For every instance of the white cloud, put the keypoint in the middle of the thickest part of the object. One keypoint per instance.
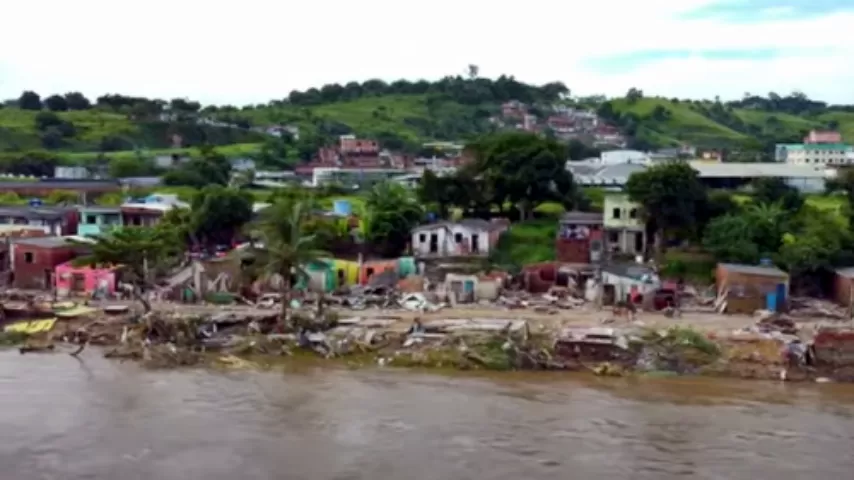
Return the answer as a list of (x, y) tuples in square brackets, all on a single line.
[(255, 50)]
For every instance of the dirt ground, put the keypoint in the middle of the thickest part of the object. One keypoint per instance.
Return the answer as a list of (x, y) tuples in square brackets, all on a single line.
[(586, 316)]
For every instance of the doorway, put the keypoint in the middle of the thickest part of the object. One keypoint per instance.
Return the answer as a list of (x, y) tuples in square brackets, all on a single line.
[(475, 243), (78, 283)]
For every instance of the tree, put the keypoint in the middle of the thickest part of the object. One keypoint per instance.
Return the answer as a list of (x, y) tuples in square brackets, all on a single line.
[(56, 103), (38, 164), (672, 197), (776, 190), (210, 167), (122, 167), (217, 213), (77, 101), (144, 254), (633, 95), (524, 169), (473, 71), (285, 249), (389, 214), (730, 239), (30, 100)]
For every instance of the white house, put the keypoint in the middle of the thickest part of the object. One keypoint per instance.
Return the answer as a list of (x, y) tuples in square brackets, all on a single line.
[(468, 237)]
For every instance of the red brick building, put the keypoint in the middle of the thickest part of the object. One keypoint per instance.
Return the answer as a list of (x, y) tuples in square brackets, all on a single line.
[(580, 237), (34, 260), (350, 145), (823, 136)]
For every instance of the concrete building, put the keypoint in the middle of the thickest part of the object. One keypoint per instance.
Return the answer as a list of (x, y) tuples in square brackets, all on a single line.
[(807, 178), (468, 237), (823, 136), (149, 210), (625, 230), (353, 176), (34, 260), (50, 220), (617, 157), (621, 281), (815, 154), (70, 173), (95, 221), (747, 288), (580, 238)]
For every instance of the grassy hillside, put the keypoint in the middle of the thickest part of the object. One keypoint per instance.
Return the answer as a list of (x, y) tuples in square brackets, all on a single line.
[(684, 123), (398, 120), (94, 130), (708, 124)]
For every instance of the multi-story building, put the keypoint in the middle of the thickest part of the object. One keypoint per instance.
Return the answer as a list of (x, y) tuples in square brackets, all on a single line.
[(624, 226), (823, 136), (815, 154)]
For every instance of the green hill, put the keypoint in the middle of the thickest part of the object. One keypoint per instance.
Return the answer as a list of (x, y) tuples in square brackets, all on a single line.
[(658, 121), (401, 115)]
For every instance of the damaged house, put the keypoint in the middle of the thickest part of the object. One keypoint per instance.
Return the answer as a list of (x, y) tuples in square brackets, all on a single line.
[(34, 260), (624, 225), (747, 288), (579, 238), (620, 283), (468, 237)]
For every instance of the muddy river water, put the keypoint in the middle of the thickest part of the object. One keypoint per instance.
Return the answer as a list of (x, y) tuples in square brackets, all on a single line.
[(95, 419)]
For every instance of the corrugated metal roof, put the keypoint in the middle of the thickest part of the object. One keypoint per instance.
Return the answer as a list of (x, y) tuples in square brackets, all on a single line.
[(754, 270), (846, 272), (755, 170), (44, 242)]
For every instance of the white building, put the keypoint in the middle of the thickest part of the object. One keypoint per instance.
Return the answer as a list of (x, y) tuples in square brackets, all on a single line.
[(815, 154), (468, 237), (70, 173), (616, 157)]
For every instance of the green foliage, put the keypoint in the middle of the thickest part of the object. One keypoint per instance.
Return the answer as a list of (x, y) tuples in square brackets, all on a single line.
[(525, 243), (143, 254), (671, 195), (217, 213), (211, 168), (389, 214)]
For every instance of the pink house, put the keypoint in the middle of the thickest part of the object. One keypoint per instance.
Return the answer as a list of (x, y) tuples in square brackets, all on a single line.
[(78, 281)]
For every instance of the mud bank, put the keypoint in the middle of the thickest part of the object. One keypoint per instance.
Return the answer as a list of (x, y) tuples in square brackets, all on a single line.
[(257, 339)]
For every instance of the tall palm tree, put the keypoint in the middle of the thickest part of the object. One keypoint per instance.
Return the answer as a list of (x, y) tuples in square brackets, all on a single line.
[(284, 247)]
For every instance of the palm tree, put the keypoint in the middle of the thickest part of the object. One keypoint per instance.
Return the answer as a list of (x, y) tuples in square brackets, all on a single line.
[(284, 247)]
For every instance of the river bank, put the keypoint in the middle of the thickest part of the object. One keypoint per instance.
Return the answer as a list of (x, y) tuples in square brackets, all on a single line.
[(453, 339)]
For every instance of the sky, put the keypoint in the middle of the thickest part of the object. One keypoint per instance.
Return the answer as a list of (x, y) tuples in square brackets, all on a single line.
[(253, 51)]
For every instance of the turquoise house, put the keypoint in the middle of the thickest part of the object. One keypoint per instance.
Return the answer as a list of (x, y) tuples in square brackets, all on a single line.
[(97, 220)]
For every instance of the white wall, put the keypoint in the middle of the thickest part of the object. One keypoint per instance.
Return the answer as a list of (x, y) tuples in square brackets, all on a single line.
[(623, 285), (616, 157), (446, 240)]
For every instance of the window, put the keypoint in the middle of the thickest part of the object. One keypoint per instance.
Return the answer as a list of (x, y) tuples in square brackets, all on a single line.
[(615, 213), (91, 219), (633, 213), (29, 257), (614, 237), (458, 237), (422, 238)]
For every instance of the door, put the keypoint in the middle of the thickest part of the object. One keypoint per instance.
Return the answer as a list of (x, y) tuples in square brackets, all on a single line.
[(468, 290), (78, 283), (475, 243), (434, 243)]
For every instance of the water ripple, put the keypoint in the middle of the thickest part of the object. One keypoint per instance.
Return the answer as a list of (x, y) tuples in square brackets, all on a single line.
[(93, 419)]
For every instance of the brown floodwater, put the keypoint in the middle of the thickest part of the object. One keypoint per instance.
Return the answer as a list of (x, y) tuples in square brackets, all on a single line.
[(96, 419)]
